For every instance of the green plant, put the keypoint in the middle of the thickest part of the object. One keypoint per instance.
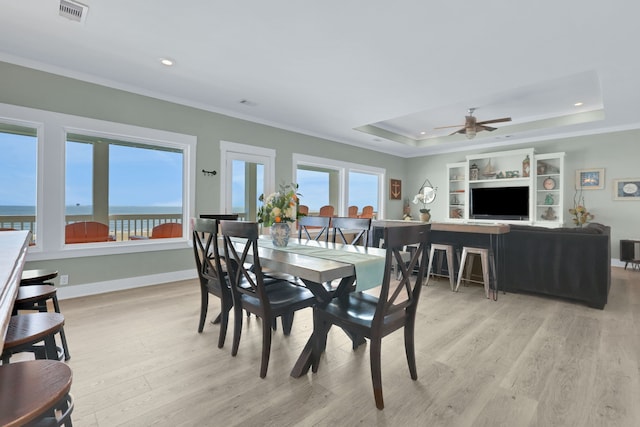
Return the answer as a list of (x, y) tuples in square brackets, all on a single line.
[(279, 207)]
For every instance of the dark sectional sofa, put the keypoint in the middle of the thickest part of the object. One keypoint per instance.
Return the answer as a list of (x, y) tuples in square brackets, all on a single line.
[(572, 263)]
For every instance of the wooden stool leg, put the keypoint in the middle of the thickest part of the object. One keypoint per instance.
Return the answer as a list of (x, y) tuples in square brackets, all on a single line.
[(461, 270), (450, 268), (485, 271), (431, 254)]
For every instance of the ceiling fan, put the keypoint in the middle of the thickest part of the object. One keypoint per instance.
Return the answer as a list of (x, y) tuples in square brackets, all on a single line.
[(472, 126)]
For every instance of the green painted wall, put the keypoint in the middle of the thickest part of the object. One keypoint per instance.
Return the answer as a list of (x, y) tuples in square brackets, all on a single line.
[(616, 152), (35, 89)]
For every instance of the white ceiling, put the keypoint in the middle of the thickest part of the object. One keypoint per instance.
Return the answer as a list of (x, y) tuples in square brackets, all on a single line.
[(327, 68)]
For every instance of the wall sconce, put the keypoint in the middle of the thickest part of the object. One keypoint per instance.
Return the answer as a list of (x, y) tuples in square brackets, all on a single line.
[(209, 173)]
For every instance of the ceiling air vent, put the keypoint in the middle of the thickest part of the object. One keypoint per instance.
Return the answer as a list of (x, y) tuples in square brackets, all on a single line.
[(73, 10)]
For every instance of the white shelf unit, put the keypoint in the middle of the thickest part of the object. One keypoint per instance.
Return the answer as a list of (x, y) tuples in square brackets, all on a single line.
[(549, 210), (456, 191), (502, 169)]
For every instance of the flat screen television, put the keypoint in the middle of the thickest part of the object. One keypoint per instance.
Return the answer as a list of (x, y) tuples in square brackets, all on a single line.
[(500, 203)]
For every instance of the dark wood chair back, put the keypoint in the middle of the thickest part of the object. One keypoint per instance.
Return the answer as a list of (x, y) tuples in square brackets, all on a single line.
[(211, 272), (318, 225), (376, 317), (221, 217), (360, 226), (248, 288)]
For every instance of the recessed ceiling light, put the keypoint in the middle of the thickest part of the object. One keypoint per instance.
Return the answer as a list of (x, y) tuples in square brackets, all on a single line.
[(166, 61), (578, 104), (423, 133)]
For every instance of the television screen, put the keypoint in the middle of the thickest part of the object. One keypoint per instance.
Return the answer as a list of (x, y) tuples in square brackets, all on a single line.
[(508, 203)]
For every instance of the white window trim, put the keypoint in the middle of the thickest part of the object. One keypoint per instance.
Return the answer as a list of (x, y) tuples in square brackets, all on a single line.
[(52, 128), (343, 169), (230, 151)]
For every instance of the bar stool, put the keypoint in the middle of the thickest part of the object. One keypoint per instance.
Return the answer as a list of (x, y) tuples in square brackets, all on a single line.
[(26, 331), (448, 251), (37, 276), (486, 258), (35, 297), (35, 392)]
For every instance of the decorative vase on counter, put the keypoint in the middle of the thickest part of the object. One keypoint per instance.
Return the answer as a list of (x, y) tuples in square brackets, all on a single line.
[(425, 216), (280, 234)]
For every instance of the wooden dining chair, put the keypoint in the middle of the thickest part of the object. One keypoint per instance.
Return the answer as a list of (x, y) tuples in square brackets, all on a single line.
[(352, 212), (280, 299), (376, 317), (319, 225), (211, 274), (360, 226)]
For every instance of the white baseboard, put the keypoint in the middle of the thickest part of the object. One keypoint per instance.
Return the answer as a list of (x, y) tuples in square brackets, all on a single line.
[(75, 291)]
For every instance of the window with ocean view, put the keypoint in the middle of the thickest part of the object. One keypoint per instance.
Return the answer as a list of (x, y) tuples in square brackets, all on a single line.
[(18, 175), (121, 190)]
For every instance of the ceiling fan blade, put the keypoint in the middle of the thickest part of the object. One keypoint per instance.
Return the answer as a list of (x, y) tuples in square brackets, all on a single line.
[(462, 131), (452, 126), (504, 119), (483, 127)]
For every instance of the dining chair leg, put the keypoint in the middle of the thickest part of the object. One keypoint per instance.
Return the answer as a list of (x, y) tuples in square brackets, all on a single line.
[(224, 323), (287, 323), (204, 305), (410, 350), (266, 349), (376, 370), (237, 329)]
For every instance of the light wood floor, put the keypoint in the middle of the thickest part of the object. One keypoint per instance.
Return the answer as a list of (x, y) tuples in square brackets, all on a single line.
[(137, 360)]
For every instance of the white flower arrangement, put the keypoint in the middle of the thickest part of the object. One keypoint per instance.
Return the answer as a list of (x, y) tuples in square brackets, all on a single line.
[(279, 207)]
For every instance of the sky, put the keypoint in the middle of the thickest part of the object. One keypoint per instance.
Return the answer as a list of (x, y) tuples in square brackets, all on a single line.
[(138, 177)]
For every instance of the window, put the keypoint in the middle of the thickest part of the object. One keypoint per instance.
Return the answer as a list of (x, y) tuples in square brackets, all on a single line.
[(363, 190), (18, 166), (127, 177), (130, 187), (339, 184), (247, 171)]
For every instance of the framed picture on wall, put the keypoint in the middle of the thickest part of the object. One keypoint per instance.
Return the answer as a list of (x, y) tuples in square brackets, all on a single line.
[(395, 189), (590, 179), (626, 189)]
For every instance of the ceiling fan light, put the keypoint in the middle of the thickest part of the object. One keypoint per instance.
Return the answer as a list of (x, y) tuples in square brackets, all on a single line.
[(470, 132)]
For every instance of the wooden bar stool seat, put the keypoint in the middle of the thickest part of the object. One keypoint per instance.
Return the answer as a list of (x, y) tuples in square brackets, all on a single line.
[(448, 250), (26, 331), (35, 297), (37, 276), (35, 392), (488, 266)]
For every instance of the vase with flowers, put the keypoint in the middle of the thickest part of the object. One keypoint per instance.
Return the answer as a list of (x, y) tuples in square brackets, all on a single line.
[(278, 210), (579, 212)]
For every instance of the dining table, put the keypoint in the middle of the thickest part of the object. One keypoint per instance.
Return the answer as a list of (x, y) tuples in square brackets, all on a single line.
[(315, 263)]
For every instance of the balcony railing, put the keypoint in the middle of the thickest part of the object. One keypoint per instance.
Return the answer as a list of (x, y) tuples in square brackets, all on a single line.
[(121, 227)]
